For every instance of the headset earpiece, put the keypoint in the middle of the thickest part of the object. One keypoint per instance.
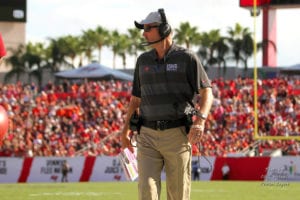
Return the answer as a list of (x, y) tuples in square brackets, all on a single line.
[(164, 28)]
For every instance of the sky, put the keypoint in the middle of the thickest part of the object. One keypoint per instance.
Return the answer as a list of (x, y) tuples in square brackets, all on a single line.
[(55, 18)]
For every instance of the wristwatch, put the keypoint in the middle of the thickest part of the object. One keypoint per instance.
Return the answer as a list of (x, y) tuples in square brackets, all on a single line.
[(201, 115)]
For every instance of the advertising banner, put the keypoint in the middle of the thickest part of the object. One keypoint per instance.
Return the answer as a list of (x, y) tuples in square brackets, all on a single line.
[(107, 168), (283, 169), (10, 169), (49, 169)]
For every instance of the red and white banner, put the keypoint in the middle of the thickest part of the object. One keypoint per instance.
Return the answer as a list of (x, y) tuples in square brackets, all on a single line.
[(49, 169), (242, 168), (104, 168)]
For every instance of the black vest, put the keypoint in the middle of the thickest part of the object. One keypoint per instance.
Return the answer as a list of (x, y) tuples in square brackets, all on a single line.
[(165, 89)]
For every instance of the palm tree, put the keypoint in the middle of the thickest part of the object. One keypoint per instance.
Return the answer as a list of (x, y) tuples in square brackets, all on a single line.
[(56, 54), (241, 43), (81, 49), (213, 48), (247, 48), (72, 47), (102, 39), (187, 35), (222, 49), (17, 63), (265, 43), (89, 42), (207, 48), (123, 47), (135, 39), (120, 45), (34, 58)]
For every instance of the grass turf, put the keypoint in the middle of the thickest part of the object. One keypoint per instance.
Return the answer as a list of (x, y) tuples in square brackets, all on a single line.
[(210, 190)]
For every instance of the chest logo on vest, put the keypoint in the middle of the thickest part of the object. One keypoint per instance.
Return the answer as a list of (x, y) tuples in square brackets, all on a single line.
[(146, 68), (172, 67)]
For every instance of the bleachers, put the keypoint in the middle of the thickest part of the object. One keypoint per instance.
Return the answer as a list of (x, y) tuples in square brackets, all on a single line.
[(67, 119)]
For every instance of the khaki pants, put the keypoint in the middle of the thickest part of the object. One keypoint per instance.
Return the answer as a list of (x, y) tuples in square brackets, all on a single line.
[(170, 149)]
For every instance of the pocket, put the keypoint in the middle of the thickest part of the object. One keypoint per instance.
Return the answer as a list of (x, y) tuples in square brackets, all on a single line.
[(143, 138)]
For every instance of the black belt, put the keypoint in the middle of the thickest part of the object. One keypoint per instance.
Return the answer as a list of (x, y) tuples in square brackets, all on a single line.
[(164, 124)]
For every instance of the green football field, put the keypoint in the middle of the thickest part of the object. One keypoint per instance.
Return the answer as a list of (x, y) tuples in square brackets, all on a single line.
[(212, 190)]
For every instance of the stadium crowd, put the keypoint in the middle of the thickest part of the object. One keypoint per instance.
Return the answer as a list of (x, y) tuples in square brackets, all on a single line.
[(70, 119)]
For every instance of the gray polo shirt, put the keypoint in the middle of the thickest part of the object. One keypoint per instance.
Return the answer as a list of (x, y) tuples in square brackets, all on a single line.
[(167, 86)]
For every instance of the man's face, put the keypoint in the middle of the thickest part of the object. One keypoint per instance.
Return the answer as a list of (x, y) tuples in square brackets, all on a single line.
[(151, 33)]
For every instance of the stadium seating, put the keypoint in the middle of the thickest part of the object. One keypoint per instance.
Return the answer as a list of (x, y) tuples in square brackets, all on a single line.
[(71, 119)]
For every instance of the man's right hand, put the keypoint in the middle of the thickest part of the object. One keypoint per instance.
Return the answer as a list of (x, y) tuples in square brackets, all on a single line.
[(125, 140)]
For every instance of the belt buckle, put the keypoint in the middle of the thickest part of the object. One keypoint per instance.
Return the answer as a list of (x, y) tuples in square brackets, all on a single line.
[(161, 125)]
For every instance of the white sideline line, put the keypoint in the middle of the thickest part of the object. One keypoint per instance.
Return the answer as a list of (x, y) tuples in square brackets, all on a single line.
[(73, 194), (209, 191)]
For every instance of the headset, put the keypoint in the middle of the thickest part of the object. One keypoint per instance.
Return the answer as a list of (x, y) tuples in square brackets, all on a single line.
[(164, 29)]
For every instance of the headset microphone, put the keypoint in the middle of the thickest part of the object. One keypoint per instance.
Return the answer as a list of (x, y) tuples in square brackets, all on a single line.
[(150, 43)]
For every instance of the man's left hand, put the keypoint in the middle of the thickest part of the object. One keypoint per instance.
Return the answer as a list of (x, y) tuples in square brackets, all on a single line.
[(195, 133)]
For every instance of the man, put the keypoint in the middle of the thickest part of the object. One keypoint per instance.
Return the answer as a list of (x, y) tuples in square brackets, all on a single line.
[(165, 81), (225, 171), (64, 171), (196, 170)]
